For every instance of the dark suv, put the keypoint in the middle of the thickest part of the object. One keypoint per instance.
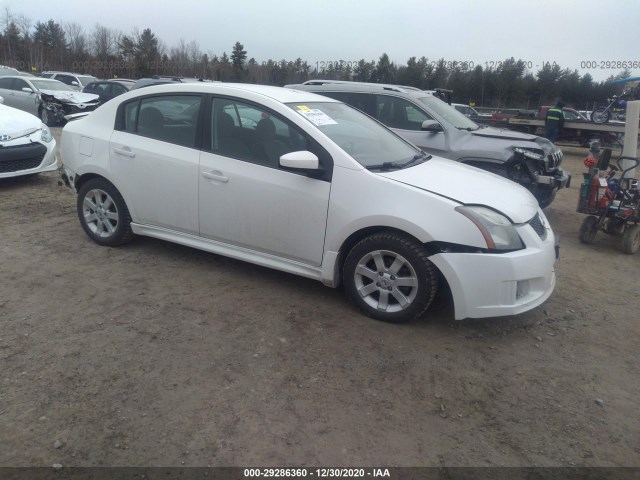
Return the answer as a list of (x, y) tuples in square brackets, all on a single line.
[(438, 128)]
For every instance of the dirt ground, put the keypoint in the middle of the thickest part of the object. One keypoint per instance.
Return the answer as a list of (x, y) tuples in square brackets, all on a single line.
[(154, 354)]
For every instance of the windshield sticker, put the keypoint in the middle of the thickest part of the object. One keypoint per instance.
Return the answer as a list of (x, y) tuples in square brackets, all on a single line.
[(317, 117), (302, 107)]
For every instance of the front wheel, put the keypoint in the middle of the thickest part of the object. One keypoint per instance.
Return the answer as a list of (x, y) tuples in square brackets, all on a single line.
[(389, 277), (103, 214), (600, 115), (631, 239), (46, 117)]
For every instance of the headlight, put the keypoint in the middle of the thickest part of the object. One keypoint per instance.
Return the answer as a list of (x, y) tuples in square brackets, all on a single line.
[(497, 230), (46, 133), (530, 153)]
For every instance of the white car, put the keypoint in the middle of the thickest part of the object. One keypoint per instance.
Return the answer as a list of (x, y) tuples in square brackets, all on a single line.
[(26, 144), (313, 187)]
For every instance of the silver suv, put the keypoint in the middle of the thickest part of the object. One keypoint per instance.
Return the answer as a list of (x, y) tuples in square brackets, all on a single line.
[(74, 80), (438, 128)]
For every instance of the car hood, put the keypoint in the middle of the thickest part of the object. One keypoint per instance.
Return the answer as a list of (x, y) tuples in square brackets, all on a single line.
[(15, 123), (71, 97), (469, 186), (495, 143)]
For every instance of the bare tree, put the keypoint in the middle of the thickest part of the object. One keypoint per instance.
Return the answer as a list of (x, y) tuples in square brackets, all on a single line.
[(103, 41), (77, 39)]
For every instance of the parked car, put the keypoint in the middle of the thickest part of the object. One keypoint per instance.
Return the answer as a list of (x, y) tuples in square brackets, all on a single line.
[(48, 99), (108, 89), (161, 80), (436, 128), (472, 113), (76, 81), (26, 144), (315, 188)]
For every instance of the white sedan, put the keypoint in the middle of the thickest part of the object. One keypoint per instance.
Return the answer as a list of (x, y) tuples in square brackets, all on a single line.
[(26, 144), (310, 186)]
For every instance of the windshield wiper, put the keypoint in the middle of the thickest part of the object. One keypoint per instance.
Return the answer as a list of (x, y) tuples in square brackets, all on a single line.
[(417, 158)]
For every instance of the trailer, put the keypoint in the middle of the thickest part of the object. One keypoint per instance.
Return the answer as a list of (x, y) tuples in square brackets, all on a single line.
[(583, 132)]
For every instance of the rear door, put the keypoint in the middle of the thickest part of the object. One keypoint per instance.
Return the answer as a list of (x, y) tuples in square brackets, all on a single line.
[(154, 154)]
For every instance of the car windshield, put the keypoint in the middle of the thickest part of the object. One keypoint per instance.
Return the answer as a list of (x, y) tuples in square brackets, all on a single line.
[(448, 113), (51, 85), (86, 80), (367, 141)]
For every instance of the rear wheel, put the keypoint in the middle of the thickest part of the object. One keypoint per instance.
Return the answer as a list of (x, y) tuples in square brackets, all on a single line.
[(389, 277), (631, 239), (103, 214), (600, 115), (589, 229)]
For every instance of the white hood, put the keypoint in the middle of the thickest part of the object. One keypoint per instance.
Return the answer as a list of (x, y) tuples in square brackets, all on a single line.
[(76, 98), (470, 186), (16, 123)]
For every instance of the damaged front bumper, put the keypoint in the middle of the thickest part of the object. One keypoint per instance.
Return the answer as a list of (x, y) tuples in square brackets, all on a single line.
[(58, 106)]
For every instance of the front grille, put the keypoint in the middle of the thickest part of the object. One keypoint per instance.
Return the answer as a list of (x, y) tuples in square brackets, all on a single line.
[(538, 226), (21, 157), (554, 160)]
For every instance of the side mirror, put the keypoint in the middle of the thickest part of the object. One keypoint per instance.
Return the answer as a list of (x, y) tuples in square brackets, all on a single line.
[(75, 84), (303, 160), (27, 90), (431, 126)]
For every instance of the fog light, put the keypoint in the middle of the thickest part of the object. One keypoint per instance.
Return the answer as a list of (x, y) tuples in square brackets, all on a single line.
[(522, 289)]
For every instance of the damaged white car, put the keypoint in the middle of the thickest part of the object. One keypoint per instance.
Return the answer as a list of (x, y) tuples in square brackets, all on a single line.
[(50, 100), (26, 144)]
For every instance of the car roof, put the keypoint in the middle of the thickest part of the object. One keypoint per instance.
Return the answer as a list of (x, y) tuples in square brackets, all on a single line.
[(280, 94), (39, 79), (352, 86)]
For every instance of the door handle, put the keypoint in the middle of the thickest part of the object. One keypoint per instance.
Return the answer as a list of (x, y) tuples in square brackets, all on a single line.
[(217, 178), (125, 152)]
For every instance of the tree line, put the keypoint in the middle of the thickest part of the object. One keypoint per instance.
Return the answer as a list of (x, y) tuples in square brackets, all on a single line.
[(108, 53)]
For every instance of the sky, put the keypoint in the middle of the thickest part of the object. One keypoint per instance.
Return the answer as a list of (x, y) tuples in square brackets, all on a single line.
[(592, 36)]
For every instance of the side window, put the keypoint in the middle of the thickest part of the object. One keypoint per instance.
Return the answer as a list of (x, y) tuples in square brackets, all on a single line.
[(118, 89), (171, 118), (6, 83), (364, 102), (19, 84), (249, 133), (68, 79), (399, 113)]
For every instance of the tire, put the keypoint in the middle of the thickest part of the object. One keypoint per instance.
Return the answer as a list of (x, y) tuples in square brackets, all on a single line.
[(600, 115), (631, 239), (46, 117), (589, 229), (103, 214), (389, 277)]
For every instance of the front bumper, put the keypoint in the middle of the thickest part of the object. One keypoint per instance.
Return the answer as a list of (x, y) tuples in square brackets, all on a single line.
[(492, 285), (21, 158), (560, 179)]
